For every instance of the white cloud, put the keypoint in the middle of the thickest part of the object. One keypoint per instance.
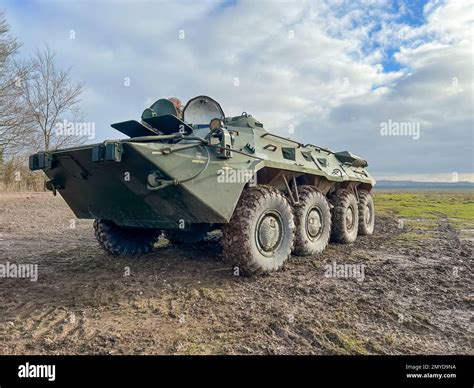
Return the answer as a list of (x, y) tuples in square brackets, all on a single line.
[(314, 65)]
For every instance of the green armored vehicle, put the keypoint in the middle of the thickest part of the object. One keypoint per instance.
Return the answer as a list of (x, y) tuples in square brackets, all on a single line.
[(186, 172)]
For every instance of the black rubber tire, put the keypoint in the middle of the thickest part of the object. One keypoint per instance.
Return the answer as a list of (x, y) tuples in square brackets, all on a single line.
[(241, 246), (311, 198), (195, 235), (366, 219), (343, 200), (116, 240)]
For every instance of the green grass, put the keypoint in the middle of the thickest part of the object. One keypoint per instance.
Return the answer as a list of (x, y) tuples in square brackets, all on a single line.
[(420, 212), (427, 206)]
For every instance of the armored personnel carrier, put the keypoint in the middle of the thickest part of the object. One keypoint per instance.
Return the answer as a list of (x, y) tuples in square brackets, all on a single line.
[(185, 173)]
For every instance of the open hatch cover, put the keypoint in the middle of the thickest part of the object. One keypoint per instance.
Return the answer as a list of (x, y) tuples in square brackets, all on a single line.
[(133, 128), (201, 110), (161, 118)]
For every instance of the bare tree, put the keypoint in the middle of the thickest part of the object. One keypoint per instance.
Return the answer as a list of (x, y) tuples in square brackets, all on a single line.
[(35, 97), (13, 121), (50, 97)]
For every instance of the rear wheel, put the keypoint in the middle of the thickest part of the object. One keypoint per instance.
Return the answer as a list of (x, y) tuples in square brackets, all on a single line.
[(259, 237), (345, 217), (366, 213), (117, 240), (312, 221)]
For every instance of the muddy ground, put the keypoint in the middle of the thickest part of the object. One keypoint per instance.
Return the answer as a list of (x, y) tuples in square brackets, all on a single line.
[(415, 298)]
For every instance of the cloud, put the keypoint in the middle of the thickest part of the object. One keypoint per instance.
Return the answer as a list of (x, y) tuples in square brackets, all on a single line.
[(333, 71)]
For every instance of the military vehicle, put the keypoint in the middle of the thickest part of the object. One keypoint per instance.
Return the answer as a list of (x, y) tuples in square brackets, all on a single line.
[(186, 173)]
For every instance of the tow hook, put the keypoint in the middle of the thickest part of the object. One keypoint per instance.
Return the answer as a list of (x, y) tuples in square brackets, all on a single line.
[(53, 185)]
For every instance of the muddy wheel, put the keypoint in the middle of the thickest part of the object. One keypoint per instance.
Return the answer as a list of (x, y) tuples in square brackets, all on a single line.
[(116, 240), (196, 234), (259, 237), (312, 222), (345, 217), (366, 213)]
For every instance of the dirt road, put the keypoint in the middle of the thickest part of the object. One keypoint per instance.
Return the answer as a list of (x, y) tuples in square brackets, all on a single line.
[(415, 295)]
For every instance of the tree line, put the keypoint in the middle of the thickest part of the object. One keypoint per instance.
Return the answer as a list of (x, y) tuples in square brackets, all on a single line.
[(36, 96)]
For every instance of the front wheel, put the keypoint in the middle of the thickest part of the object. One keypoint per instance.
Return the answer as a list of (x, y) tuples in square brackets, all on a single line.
[(259, 237), (117, 240)]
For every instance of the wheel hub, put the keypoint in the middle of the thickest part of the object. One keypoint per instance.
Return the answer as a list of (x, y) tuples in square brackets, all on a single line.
[(269, 233), (314, 223), (350, 217), (368, 214)]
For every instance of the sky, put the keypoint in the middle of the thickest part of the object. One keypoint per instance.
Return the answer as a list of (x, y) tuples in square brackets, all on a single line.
[(391, 81)]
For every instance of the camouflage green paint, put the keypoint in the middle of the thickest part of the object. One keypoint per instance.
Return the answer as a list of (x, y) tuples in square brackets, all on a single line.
[(114, 186)]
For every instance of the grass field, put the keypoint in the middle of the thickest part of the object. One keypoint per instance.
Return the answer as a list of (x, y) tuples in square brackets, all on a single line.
[(425, 209)]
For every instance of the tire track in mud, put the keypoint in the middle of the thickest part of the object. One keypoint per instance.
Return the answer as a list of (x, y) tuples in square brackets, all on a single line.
[(181, 299), (449, 239), (50, 328)]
